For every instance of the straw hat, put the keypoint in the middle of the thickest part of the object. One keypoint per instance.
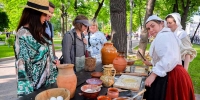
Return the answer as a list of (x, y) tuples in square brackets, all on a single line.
[(39, 5)]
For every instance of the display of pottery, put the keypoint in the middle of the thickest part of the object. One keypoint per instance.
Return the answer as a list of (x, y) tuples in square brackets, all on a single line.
[(108, 53), (66, 78)]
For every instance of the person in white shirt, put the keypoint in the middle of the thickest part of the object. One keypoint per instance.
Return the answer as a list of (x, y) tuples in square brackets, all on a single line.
[(187, 52), (168, 79), (96, 39)]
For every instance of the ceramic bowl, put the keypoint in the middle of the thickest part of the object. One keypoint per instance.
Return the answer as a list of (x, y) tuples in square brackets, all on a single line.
[(96, 74), (103, 97), (90, 91), (94, 81), (55, 92), (130, 62)]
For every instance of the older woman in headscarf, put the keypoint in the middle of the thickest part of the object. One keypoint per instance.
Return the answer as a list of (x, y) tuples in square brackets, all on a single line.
[(168, 79), (187, 52)]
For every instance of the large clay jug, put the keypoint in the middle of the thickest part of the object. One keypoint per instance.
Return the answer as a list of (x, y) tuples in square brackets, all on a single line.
[(108, 53), (120, 62), (108, 76), (66, 78)]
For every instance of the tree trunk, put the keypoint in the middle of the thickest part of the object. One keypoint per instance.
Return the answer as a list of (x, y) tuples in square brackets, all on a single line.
[(175, 9), (118, 24), (144, 35), (130, 31), (98, 9), (185, 13)]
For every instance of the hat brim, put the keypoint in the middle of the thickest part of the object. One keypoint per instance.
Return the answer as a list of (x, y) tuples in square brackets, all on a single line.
[(87, 24), (40, 10)]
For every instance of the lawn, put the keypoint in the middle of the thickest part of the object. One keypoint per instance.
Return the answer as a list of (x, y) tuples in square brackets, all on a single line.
[(194, 68), (6, 51)]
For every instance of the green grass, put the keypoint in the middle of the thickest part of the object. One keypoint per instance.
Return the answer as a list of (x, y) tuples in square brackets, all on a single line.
[(194, 68), (6, 51), (57, 42)]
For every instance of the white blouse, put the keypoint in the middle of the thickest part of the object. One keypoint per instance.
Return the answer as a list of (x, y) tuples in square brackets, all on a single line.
[(186, 48), (165, 52)]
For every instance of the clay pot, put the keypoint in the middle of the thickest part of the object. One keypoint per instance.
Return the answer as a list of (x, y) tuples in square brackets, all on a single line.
[(108, 76), (113, 92), (90, 91), (103, 97), (108, 53), (120, 62), (66, 78), (90, 64)]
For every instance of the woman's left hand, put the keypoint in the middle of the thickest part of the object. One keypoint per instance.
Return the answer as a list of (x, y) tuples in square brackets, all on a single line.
[(85, 41), (150, 79)]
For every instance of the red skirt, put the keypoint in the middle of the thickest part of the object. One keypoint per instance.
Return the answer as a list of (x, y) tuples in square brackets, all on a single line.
[(179, 86)]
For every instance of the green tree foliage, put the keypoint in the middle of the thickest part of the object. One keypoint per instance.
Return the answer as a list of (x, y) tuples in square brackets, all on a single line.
[(3, 21), (13, 9)]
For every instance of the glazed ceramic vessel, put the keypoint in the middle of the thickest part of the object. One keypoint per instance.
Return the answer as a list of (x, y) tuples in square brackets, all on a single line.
[(66, 78), (108, 53), (120, 62), (108, 76)]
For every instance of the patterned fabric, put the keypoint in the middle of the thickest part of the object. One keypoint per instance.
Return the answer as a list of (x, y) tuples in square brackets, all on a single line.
[(33, 63), (96, 40)]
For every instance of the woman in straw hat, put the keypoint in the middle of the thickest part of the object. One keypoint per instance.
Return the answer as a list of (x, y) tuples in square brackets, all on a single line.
[(187, 52), (33, 49), (168, 79)]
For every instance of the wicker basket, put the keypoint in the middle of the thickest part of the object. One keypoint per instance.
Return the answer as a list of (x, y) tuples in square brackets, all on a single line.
[(55, 92), (90, 64)]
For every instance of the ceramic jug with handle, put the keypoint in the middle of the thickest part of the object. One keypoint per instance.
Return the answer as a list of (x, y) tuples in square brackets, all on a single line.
[(108, 75)]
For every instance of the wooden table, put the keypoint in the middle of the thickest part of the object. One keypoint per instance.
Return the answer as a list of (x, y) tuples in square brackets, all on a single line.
[(82, 76)]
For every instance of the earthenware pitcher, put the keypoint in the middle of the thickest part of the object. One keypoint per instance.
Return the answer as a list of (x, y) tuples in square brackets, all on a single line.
[(66, 78), (108, 53), (108, 76)]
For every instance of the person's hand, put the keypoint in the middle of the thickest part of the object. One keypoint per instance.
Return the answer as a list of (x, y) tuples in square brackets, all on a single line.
[(85, 41), (147, 63), (150, 79), (56, 62)]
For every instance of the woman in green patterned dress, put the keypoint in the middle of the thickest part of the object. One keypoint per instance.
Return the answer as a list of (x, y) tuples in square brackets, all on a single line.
[(33, 49)]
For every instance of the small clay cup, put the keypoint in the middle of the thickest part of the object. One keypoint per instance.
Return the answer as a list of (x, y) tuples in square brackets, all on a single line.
[(103, 97), (113, 93)]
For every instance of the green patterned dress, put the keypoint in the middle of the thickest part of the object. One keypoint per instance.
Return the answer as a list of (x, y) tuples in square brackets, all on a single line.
[(34, 65)]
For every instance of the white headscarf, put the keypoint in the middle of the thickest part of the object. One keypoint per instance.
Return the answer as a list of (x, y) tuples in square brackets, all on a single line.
[(155, 17), (179, 31)]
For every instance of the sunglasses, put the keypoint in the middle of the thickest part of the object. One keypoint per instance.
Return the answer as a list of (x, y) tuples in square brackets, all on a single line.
[(84, 25)]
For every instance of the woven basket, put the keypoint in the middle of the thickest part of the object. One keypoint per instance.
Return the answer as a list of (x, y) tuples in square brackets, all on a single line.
[(55, 92), (90, 64)]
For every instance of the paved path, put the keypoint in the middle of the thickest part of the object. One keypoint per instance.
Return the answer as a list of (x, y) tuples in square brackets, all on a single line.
[(2, 42)]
